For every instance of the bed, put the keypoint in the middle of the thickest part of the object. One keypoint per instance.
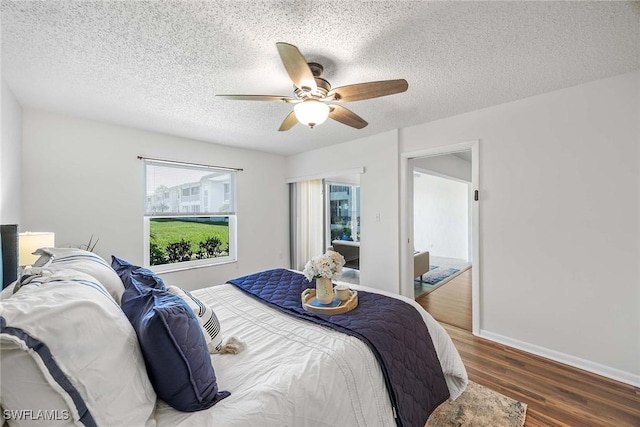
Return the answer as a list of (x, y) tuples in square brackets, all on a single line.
[(291, 372)]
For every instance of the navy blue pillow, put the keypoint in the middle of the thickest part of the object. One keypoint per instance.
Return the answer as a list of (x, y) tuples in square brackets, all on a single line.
[(144, 276), (173, 346)]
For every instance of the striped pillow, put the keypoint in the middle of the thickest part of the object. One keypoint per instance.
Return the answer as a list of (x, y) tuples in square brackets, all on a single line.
[(206, 317), (55, 259)]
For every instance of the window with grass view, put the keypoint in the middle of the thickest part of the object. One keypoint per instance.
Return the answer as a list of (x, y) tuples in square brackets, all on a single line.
[(190, 213)]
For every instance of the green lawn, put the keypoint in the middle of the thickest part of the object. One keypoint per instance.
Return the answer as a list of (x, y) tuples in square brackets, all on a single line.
[(166, 230)]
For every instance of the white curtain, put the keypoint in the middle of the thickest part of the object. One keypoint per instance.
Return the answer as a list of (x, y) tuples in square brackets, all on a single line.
[(307, 219)]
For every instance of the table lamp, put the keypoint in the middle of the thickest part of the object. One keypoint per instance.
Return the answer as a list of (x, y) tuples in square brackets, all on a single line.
[(30, 242)]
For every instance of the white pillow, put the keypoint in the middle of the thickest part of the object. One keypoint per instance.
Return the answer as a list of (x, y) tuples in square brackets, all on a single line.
[(85, 262), (32, 383), (67, 325), (206, 317)]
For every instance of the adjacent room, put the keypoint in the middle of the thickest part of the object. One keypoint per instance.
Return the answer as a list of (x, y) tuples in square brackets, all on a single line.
[(443, 198), (441, 217), (320, 213)]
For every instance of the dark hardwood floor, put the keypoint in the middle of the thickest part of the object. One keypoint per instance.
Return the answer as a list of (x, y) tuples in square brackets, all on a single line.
[(556, 394)]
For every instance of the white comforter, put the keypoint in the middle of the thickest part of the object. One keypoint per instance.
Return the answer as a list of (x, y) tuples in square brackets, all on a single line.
[(296, 373)]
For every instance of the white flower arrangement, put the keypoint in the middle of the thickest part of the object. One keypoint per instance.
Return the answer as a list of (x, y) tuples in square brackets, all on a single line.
[(328, 265)]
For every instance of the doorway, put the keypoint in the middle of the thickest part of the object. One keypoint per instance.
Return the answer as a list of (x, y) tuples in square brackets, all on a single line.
[(441, 226), (442, 162), (441, 218)]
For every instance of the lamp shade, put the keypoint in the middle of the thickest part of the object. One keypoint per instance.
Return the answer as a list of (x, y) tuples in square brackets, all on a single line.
[(29, 242), (311, 112)]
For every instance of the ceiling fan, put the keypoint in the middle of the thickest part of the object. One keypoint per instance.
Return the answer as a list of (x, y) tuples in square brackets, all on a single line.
[(313, 95)]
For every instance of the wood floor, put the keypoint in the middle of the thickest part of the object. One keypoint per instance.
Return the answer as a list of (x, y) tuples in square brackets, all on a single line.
[(556, 394), (451, 302)]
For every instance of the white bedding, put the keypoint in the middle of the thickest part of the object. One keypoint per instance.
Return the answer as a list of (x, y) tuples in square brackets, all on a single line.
[(275, 380)]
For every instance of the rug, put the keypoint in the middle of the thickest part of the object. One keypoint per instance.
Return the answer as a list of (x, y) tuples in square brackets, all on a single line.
[(437, 274), (479, 406), (433, 279)]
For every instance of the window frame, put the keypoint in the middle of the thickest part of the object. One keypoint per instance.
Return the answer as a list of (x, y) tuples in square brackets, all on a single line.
[(231, 215)]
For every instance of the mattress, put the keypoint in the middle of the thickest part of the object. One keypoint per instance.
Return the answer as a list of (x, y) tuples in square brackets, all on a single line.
[(296, 373)]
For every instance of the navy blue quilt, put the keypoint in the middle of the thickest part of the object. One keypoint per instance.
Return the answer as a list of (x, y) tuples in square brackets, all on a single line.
[(394, 331)]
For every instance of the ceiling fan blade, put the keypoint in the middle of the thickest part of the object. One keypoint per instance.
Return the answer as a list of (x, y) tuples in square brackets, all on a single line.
[(288, 122), (297, 67), (346, 116), (258, 98), (360, 91)]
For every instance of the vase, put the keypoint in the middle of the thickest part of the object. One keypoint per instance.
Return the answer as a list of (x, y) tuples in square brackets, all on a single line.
[(324, 290)]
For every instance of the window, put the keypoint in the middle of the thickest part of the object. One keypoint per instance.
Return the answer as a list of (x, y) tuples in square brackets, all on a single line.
[(343, 212), (184, 230)]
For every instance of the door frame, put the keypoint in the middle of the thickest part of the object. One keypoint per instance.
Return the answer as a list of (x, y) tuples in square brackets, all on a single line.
[(406, 221)]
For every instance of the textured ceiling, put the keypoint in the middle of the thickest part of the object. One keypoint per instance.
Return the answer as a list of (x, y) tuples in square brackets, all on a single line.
[(157, 65)]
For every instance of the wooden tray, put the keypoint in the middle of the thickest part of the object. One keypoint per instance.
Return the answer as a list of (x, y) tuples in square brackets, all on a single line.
[(309, 295)]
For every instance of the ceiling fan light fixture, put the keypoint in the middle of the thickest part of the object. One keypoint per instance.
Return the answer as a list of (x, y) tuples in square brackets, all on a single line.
[(312, 93), (311, 112)]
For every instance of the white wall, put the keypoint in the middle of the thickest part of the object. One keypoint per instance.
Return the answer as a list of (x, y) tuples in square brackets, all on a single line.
[(379, 198), (446, 165), (10, 157), (440, 216), (82, 178), (559, 220)]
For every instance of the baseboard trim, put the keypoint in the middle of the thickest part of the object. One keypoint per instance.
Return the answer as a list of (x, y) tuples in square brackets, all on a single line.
[(576, 362)]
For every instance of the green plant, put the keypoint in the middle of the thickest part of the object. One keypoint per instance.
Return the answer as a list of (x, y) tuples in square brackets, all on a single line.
[(345, 234), (156, 254), (91, 245), (210, 247), (179, 251)]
